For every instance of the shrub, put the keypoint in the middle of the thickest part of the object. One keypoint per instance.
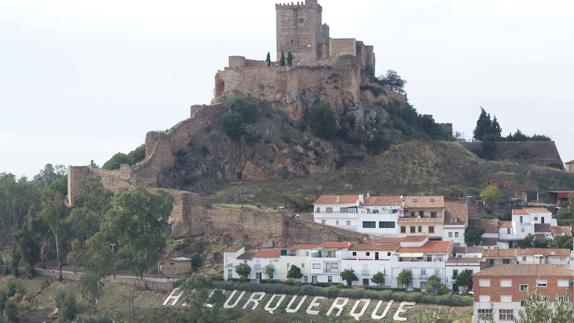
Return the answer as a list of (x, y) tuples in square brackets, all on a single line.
[(243, 270), (131, 158), (322, 121), (241, 112)]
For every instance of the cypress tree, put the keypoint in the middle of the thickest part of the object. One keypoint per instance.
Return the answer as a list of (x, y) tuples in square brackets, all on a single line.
[(483, 125), (268, 59), (282, 60), (290, 59)]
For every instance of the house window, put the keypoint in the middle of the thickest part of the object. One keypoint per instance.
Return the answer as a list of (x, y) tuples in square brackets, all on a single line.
[(403, 230), (542, 220), (523, 287), (316, 265), (506, 261), (456, 234), (413, 229), (337, 222), (484, 283), (506, 298), (563, 283), (433, 215), (523, 258), (431, 229), (484, 314), (421, 214), (375, 211), (367, 254), (354, 253), (318, 210), (522, 230), (429, 258), (386, 224), (388, 254), (420, 229), (507, 230), (523, 303), (506, 315), (521, 219), (484, 298), (454, 274), (541, 283), (329, 279), (535, 218), (369, 224), (348, 222), (329, 210), (302, 265), (450, 234), (506, 283)]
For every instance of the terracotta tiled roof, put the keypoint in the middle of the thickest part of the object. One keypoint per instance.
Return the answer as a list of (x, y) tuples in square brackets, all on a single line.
[(383, 200), (233, 249), (409, 220), (561, 231), (336, 245), (527, 211), (499, 253), (423, 202), (455, 213), (337, 199), (490, 226), (248, 255), (489, 241), (429, 247), (377, 244), (304, 246), (414, 239), (457, 249), (525, 270), (268, 253), (310, 246), (505, 224), (543, 251), (542, 227)]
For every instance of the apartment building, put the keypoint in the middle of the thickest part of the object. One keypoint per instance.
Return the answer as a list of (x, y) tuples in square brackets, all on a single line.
[(500, 291), (394, 216), (494, 257)]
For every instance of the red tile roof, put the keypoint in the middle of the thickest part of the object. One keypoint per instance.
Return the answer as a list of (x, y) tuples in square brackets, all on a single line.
[(430, 247), (383, 200), (414, 239), (505, 224), (525, 270), (543, 252), (527, 211), (268, 253), (337, 199), (328, 245), (455, 213), (561, 231), (499, 253), (378, 244), (414, 202)]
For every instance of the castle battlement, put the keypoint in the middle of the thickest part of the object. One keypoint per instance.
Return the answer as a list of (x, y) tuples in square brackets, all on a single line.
[(295, 5)]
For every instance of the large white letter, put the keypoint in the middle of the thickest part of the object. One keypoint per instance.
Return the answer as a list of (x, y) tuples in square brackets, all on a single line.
[(376, 317), (400, 310), (227, 305), (288, 309), (339, 303), (314, 303), (172, 297), (358, 315), (209, 305), (268, 307), (255, 298)]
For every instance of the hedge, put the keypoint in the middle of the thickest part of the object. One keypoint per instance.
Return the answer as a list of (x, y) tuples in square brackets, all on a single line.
[(333, 292)]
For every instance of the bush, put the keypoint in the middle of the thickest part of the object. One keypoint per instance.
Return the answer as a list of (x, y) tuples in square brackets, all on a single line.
[(131, 158), (67, 306), (322, 121), (241, 112)]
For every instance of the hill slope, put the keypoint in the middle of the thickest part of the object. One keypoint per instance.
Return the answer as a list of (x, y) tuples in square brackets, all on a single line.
[(426, 167)]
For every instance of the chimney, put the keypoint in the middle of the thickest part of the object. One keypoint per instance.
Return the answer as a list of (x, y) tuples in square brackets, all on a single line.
[(338, 199), (361, 198)]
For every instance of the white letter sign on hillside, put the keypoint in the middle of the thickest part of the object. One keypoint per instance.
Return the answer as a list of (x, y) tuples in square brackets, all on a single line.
[(296, 303)]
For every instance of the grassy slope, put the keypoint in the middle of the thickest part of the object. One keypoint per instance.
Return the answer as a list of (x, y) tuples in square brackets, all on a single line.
[(148, 308), (429, 167)]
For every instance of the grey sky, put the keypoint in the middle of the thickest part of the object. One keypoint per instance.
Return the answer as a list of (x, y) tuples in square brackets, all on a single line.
[(82, 80)]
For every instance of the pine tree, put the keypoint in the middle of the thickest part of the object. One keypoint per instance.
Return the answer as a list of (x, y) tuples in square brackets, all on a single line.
[(268, 59), (282, 60), (290, 59), (495, 129), (483, 124)]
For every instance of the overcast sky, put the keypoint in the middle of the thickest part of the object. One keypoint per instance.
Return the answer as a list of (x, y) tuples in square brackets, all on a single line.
[(82, 80)]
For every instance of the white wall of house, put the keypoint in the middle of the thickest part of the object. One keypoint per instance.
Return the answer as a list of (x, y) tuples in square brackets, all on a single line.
[(373, 220), (453, 269), (454, 233)]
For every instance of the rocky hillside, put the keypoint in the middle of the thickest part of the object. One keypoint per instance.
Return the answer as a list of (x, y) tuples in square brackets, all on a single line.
[(412, 167)]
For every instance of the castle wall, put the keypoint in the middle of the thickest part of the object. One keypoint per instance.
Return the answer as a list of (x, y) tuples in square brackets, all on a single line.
[(342, 46)]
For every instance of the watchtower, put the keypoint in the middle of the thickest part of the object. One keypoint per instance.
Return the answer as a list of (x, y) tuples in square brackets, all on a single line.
[(300, 31)]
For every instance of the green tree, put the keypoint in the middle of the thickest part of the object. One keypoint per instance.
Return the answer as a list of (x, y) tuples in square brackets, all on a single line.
[(322, 121), (405, 278), (491, 195), (527, 242), (269, 271), (473, 236), (294, 272), (464, 280), (495, 129), (243, 270), (198, 291), (130, 158), (134, 223), (91, 288), (393, 81), (55, 213), (290, 59), (282, 60), (349, 276), (379, 279), (268, 59), (435, 285), (483, 125), (67, 306), (28, 248), (541, 309)]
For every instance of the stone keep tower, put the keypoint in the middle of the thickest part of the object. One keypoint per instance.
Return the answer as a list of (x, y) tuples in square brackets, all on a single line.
[(301, 32)]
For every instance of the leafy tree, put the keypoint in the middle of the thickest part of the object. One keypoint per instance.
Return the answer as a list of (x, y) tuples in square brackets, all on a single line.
[(491, 195), (233, 125), (282, 60), (294, 272), (90, 288), (268, 59), (527, 242), (14, 306), (464, 280), (349, 276), (28, 248), (269, 271), (131, 158), (473, 236), (405, 278), (198, 292), (322, 121), (435, 285), (541, 309), (55, 213), (393, 81), (379, 279), (67, 306), (243, 270), (290, 59), (488, 147), (241, 112), (135, 224)]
